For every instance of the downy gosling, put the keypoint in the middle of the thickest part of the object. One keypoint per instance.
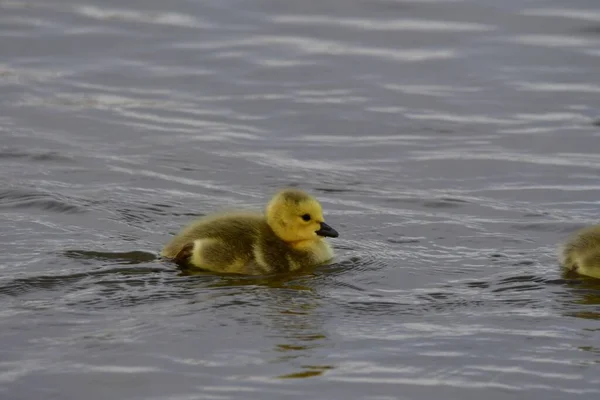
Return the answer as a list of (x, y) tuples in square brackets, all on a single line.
[(290, 235), (581, 252)]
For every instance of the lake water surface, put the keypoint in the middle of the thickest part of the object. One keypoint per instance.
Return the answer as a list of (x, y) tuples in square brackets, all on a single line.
[(453, 144)]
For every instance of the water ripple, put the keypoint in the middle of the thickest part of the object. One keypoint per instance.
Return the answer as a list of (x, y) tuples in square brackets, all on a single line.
[(161, 18), (557, 87), (385, 25), (555, 41), (584, 15), (19, 199), (312, 46)]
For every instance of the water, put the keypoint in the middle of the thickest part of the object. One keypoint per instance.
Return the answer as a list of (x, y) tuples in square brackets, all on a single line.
[(453, 145)]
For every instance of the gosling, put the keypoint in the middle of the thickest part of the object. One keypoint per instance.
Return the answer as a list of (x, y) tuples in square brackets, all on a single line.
[(581, 252), (289, 236)]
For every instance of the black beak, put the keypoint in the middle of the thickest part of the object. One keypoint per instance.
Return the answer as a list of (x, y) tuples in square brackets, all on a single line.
[(326, 230)]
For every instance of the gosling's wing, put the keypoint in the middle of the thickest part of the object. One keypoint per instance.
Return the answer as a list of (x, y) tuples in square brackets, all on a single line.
[(231, 228), (184, 254), (185, 238)]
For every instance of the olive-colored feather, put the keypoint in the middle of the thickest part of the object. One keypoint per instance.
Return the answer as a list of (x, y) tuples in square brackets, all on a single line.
[(581, 252), (252, 243)]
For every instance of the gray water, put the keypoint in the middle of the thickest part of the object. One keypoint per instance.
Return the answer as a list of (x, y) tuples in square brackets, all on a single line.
[(453, 144)]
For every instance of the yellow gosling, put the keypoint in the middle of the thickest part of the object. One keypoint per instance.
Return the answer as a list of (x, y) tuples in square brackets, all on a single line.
[(581, 252), (288, 236)]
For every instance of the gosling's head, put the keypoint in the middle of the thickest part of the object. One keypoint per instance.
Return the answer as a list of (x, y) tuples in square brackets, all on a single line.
[(295, 216)]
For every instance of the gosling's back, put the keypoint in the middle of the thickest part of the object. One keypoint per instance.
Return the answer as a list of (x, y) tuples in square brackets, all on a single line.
[(240, 243), (581, 252)]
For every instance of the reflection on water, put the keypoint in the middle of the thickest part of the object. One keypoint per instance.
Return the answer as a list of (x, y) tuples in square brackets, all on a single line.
[(310, 371), (453, 142), (585, 293), (298, 331)]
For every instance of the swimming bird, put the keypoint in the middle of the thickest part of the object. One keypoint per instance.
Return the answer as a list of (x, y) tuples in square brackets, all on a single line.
[(581, 252), (289, 235)]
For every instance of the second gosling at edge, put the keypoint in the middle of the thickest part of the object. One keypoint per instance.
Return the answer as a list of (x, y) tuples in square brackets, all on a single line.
[(288, 236), (581, 252)]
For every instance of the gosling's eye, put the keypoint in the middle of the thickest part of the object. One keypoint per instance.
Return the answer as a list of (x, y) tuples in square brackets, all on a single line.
[(306, 217)]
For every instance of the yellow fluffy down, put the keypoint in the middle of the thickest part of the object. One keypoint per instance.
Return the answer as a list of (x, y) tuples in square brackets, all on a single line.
[(581, 252), (288, 236)]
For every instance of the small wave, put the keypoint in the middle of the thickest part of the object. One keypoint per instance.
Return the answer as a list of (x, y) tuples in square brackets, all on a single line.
[(571, 13), (19, 199), (445, 203), (557, 87), (325, 47), (431, 90), (415, 25), (21, 286), (554, 41), (32, 155), (159, 18)]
